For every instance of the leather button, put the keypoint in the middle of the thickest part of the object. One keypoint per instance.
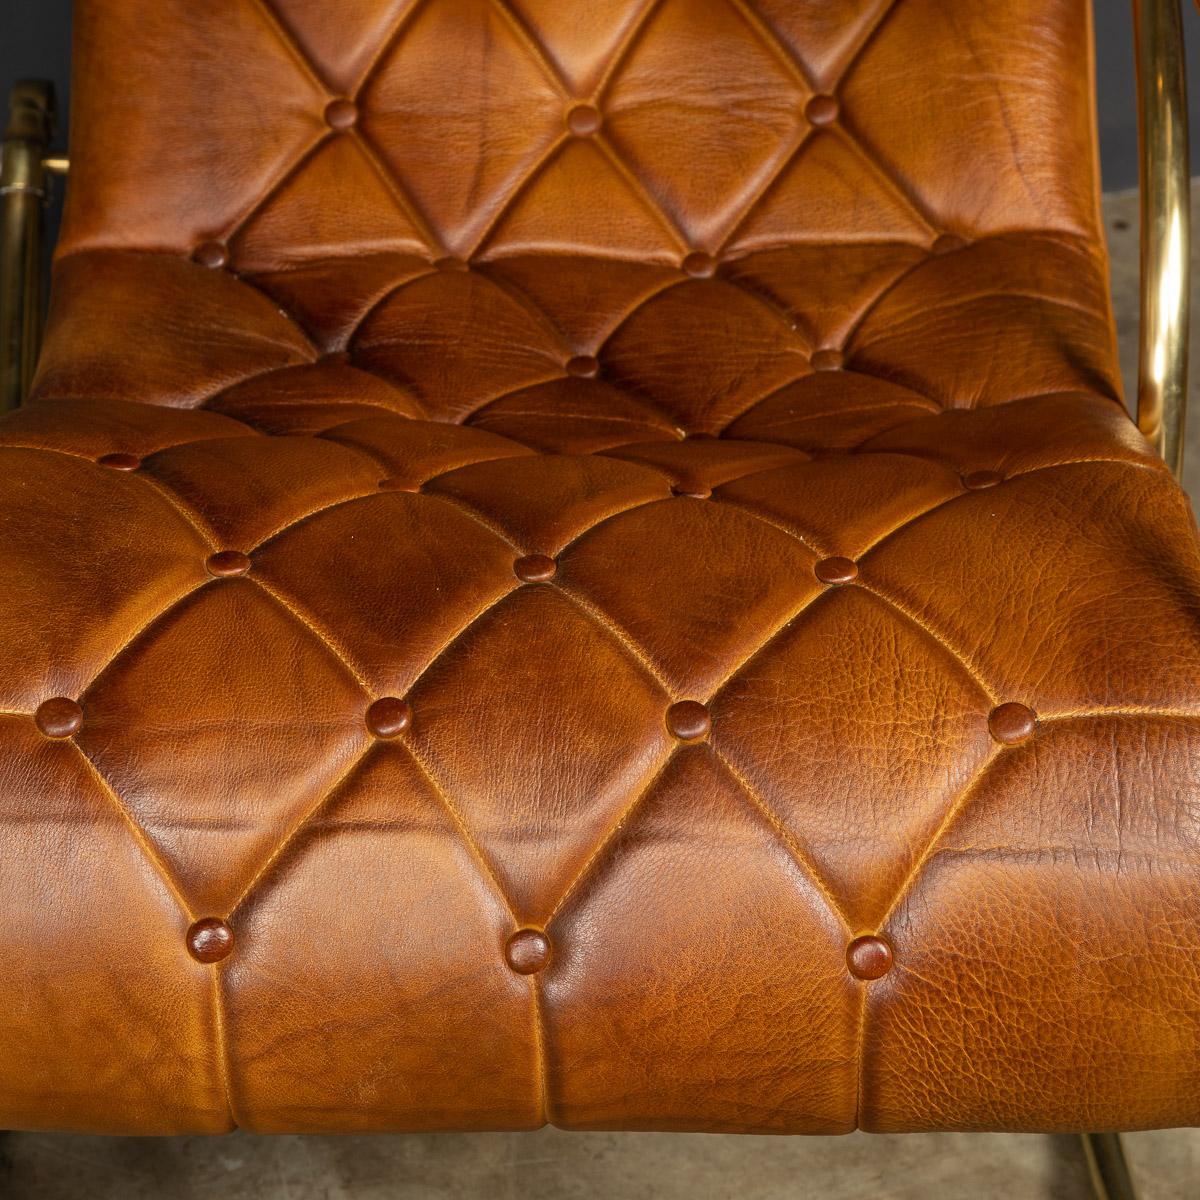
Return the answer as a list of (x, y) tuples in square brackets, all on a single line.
[(211, 254), (582, 365), (535, 568), (688, 720), (827, 360), (947, 243), (822, 110), (583, 120), (341, 114), (398, 485), (700, 265), (59, 717), (697, 491), (120, 462), (227, 562), (388, 716), (836, 570), (1011, 724), (869, 957), (978, 480), (527, 951), (209, 940)]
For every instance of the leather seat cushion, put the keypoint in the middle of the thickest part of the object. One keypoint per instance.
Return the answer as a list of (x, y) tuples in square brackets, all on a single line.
[(622, 582)]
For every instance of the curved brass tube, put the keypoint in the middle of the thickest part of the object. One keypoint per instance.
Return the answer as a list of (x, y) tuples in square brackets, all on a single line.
[(1165, 180), (1165, 226)]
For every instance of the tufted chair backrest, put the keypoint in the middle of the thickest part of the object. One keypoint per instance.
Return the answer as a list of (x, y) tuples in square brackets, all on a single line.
[(399, 175), (301, 130)]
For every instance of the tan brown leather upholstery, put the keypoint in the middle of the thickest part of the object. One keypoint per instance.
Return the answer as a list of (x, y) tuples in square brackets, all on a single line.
[(583, 562)]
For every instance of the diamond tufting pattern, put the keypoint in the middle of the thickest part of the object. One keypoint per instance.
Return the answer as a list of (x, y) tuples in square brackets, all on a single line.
[(584, 563)]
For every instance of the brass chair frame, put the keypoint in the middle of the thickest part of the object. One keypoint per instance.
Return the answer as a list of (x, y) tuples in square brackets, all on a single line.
[(1165, 182), (25, 174), (27, 170)]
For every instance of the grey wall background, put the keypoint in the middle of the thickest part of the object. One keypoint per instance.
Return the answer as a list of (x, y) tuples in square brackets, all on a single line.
[(35, 41)]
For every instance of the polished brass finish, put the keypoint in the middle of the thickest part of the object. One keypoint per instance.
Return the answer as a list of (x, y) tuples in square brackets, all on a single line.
[(23, 195), (1166, 223), (56, 164), (1165, 315), (1107, 1167)]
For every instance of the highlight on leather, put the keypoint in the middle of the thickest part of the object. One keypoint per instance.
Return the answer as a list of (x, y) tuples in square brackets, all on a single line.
[(584, 563)]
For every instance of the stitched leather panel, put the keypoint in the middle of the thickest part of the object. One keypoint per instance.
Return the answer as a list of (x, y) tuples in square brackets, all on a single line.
[(597, 545)]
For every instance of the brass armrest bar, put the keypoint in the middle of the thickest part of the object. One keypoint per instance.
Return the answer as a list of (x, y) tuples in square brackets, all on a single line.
[(1165, 226), (23, 196)]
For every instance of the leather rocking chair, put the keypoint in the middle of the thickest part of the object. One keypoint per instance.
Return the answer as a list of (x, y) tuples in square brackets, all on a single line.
[(584, 562)]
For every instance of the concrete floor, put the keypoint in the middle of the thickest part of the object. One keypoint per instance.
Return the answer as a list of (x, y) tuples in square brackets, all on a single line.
[(559, 1166)]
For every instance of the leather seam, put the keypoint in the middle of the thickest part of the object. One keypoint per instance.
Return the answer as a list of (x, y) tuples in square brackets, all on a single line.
[(928, 407), (651, 779), (483, 864), (303, 518), (967, 664), (608, 147), (162, 615), (953, 811), (406, 203), (541, 1051), (802, 138), (224, 1047), (286, 40), (600, 618), (479, 416), (148, 851), (330, 646), (469, 511), (810, 601), (507, 203), (327, 797), (462, 632), (534, 48), (863, 989), (624, 50), (235, 229), (787, 840), (195, 520), (387, 44)]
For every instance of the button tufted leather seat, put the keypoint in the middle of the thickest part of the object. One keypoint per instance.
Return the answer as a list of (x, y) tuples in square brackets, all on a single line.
[(585, 563)]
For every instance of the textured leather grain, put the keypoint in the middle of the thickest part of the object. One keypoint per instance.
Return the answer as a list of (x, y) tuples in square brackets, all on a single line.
[(583, 562)]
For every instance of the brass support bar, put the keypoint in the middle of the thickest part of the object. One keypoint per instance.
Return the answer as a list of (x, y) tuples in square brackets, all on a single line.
[(1107, 1166), (1165, 179), (23, 195), (1166, 223)]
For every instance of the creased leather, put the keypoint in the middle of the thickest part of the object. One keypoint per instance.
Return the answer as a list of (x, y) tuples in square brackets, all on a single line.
[(402, 476)]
